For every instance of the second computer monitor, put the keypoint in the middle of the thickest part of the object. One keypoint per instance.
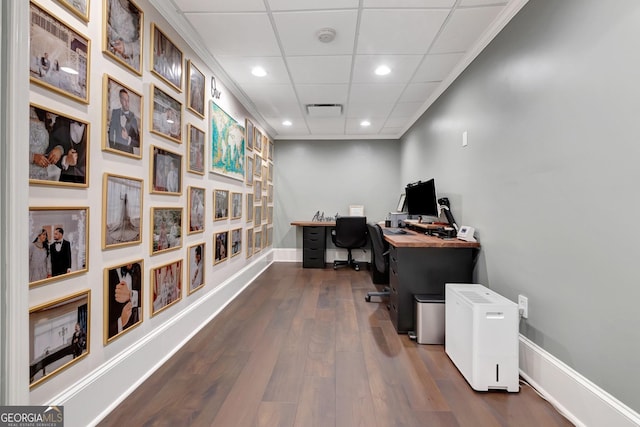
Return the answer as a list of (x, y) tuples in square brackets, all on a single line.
[(421, 199)]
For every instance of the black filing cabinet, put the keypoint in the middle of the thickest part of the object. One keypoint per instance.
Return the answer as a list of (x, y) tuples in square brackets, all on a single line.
[(313, 246)]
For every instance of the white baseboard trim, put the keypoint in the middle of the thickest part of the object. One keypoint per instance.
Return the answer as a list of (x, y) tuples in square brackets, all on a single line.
[(331, 254), (89, 400), (578, 399)]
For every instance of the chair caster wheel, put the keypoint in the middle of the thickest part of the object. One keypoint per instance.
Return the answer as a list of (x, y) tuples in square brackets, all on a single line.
[(367, 298), (357, 268), (335, 267)]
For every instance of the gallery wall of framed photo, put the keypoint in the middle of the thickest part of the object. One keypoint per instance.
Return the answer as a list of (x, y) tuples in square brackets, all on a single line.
[(134, 214)]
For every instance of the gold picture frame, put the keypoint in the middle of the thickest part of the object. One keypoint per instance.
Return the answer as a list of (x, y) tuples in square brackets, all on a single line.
[(79, 8), (166, 229), (121, 119), (236, 205), (221, 246), (121, 211), (195, 150), (220, 204), (196, 268), (165, 172), (58, 152), (257, 240), (249, 243), (248, 173), (59, 245), (236, 242), (49, 325), (166, 58), (166, 115), (195, 209), (123, 30), (166, 286), (195, 90), (123, 299), (67, 70), (249, 207), (248, 126)]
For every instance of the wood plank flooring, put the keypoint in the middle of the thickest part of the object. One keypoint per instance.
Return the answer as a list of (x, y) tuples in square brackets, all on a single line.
[(300, 348)]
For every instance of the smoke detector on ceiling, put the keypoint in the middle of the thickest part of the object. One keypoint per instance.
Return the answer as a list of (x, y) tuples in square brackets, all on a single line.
[(326, 35)]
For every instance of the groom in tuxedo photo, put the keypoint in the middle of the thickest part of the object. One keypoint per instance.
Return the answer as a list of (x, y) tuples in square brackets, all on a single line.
[(123, 126), (60, 253)]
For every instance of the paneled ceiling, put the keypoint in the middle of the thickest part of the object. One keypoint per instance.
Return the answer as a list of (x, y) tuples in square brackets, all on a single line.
[(425, 44)]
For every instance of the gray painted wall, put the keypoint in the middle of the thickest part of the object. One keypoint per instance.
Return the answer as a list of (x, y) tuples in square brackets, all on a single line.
[(550, 177), (329, 176)]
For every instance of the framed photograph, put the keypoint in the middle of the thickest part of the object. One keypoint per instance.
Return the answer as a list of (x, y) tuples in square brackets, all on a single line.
[(270, 215), (265, 174), (257, 141), (236, 205), (249, 242), (195, 90), (195, 210), (59, 243), (166, 286), (122, 211), (220, 204), (249, 207), (196, 268), (257, 216), (248, 175), (257, 240), (270, 172), (248, 127), (195, 150), (80, 8), (123, 298), (236, 242), (265, 149), (269, 236), (270, 150), (166, 229), (123, 30), (166, 115), (257, 191), (264, 208), (166, 171), (401, 203), (270, 193), (59, 334), (257, 165), (227, 144), (221, 242), (166, 59), (59, 56), (121, 119), (58, 148)]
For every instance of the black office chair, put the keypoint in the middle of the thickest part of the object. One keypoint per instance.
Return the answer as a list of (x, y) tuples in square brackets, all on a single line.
[(379, 261), (350, 233)]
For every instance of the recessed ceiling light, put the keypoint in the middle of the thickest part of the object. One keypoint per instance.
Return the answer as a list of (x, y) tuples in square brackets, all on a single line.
[(258, 71), (383, 70), (287, 123), (365, 123)]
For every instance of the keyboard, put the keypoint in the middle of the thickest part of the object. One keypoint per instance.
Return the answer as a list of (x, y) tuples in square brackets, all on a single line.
[(390, 231)]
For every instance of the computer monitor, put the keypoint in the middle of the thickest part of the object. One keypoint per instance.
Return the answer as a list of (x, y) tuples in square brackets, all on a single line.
[(421, 199)]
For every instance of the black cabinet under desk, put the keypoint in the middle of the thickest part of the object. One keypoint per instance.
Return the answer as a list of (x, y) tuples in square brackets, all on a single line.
[(314, 243), (422, 264)]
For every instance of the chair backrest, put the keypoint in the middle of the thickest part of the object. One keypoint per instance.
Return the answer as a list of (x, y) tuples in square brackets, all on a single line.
[(379, 247), (350, 232)]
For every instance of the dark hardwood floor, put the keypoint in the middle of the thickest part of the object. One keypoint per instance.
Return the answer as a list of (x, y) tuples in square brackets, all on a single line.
[(301, 347)]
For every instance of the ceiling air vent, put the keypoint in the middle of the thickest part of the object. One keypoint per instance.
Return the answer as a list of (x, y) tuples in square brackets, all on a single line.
[(324, 110)]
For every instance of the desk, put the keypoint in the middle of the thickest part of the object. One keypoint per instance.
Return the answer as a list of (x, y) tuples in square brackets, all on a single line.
[(421, 264), (314, 242)]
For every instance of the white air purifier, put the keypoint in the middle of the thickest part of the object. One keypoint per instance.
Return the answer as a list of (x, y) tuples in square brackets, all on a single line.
[(481, 336)]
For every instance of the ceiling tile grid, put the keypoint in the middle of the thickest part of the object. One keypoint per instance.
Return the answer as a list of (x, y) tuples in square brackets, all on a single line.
[(424, 44)]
